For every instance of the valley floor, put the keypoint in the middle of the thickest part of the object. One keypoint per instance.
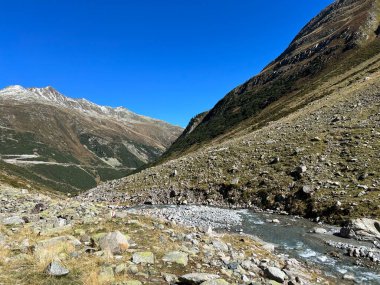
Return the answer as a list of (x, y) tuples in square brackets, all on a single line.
[(87, 243)]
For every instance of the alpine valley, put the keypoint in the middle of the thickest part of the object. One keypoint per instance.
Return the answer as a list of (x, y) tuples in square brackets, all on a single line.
[(279, 183)]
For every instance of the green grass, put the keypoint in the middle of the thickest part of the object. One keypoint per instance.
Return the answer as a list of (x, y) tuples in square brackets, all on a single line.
[(243, 110), (72, 176), (12, 142)]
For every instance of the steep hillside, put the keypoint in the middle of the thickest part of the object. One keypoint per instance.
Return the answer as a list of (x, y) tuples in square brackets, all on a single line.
[(320, 161), (311, 150), (72, 143), (340, 37)]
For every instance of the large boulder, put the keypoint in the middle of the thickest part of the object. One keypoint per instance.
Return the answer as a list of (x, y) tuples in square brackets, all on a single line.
[(13, 221), (275, 274), (54, 246), (115, 242), (197, 278), (176, 257), (362, 229)]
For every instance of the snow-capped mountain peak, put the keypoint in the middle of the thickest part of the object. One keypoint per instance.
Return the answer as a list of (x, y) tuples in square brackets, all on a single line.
[(50, 96)]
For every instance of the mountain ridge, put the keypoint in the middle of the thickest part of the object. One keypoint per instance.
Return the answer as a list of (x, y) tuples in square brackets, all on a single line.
[(50, 95), (324, 44), (60, 139)]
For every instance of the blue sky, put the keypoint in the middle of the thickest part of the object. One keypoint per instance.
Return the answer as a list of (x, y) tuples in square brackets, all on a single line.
[(168, 59)]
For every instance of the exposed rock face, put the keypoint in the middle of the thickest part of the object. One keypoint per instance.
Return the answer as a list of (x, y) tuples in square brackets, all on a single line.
[(40, 128)]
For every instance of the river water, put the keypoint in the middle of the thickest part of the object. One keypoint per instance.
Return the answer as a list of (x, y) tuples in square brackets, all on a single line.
[(294, 238)]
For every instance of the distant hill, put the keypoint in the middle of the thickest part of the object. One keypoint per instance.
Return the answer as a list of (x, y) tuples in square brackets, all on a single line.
[(73, 144)]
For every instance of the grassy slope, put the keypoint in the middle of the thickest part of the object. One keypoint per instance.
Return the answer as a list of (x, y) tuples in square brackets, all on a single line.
[(344, 151)]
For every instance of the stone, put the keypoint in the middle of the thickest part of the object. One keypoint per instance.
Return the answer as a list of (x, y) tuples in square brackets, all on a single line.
[(39, 207), (132, 282), (366, 228), (349, 277), (215, 282), (300, 169), (170, 278), (219, 245), (57, 241), (176, 257), (275, 160), (269, 247), (106, 275), (307, 190), (275, 274), (145, 257), (115, 242), (121, 268), (319, 231), (56, 269), (13, 221), (235, 181), (197, 278), (132, 269)]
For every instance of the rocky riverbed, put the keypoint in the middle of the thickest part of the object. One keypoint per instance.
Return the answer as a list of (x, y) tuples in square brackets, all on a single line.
[(47, 240), (294, 237), (194, 216)]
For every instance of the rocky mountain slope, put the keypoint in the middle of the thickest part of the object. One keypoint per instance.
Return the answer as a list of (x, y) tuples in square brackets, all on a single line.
[(319, 158), (72, 144), (340, 37)]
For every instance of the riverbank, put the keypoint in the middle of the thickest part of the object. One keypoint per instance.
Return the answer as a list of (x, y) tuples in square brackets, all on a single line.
[(64, 241), (316, 244)]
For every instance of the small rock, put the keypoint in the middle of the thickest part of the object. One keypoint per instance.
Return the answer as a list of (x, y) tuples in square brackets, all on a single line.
[(319, 231), (145, 257), (55, 268)]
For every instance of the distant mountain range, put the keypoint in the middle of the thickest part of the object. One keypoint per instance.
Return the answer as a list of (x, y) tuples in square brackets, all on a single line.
[(72, 144)]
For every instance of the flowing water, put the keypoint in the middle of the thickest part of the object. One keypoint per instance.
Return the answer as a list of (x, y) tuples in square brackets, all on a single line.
[(294, 238)]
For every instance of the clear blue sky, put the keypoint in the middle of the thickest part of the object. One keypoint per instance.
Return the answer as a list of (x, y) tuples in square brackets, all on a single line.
[(168, 59)]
